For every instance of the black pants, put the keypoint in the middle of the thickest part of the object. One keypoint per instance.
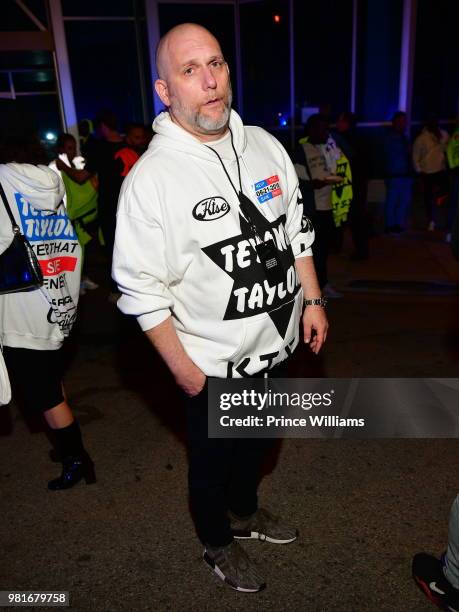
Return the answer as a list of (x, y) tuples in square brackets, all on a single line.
[(324, 228), (223, 473), (358, 220), (435, 188)]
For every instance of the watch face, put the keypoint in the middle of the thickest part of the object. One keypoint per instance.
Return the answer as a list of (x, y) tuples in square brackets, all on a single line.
[(316, 302)]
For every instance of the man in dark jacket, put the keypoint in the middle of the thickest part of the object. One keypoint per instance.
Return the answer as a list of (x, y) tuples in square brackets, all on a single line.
[(398, 174)]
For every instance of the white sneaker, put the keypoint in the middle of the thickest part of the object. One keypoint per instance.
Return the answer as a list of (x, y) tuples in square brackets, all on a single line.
[(87, 283), (330, 292)]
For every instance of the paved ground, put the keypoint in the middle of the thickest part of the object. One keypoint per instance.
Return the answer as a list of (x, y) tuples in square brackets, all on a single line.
[(363, 507)]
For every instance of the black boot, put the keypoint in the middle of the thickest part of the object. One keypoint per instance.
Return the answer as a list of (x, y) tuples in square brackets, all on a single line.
[(73, 470), (76, 463)]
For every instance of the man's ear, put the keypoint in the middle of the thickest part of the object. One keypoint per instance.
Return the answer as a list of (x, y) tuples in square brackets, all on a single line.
[(162, 91)]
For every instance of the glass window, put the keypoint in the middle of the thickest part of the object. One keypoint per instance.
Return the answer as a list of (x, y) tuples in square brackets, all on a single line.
[(104, 68), (9, 60), (45, 108), (101, 8), (378, 65), (44, 113), (436, 71), (14, 18), (33, 73), (4, 82), (34, 80), (265, 63), (323, 54), (146, 69)]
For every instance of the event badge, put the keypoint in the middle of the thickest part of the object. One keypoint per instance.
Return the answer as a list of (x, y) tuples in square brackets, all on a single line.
[(271, 263), (266, 251)]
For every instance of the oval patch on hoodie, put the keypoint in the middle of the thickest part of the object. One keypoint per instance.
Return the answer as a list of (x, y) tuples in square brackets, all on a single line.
[(211, 208)]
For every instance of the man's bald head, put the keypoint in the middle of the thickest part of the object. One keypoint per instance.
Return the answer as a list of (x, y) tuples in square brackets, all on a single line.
[(178, 35), (194, 81)]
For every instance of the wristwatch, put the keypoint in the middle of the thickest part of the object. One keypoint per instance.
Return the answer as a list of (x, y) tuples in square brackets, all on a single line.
[(316, 302)]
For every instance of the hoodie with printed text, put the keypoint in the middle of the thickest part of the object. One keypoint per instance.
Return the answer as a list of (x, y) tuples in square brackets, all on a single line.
[(184, 249), (40, 319)]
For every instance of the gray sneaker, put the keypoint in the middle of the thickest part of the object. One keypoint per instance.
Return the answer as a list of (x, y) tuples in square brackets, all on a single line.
[(232, 565), (262, 525)]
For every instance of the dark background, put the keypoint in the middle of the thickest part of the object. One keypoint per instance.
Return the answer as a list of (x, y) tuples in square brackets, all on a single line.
[(106, 72)]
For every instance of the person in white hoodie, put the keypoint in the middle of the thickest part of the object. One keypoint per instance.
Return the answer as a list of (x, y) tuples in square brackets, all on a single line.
[(213, 255), (34, 324)]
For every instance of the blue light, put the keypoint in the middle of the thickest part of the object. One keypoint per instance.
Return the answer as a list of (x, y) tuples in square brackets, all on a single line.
[(284, 122), (50, 136)]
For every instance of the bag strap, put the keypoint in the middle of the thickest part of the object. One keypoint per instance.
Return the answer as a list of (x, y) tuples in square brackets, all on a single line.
[(15, 226)]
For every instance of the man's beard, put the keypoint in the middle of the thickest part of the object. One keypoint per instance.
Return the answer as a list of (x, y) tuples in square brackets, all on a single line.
[(204, 124)]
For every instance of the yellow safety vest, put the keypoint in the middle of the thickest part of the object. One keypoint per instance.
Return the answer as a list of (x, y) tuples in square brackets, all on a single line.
[(342, 194)]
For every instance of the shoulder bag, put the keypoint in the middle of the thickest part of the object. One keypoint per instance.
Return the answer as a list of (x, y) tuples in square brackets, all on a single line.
[(19, 267)]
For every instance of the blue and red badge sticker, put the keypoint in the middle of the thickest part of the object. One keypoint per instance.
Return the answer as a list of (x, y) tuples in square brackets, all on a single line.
[(267, 189)]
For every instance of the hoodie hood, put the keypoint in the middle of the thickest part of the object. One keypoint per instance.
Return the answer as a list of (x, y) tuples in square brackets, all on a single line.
[(170, 135), (39, 185)]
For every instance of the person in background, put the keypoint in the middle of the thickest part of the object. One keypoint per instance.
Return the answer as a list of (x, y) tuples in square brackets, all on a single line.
[(455, 235), (325, 111), (347, 140), (438, 579), (313, 167), (124, 160), (101, 161), (35, 323), (452, 154), (86, 133), (80, 196), (126, 157), (429, 160), (398, 172)]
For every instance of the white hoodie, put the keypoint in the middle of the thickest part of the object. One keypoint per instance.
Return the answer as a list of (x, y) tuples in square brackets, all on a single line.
[(181, 248), (40, 319), (429, 152)]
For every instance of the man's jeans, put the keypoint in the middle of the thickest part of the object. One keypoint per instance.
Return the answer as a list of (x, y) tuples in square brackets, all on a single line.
[(398, 201), (223, 473)]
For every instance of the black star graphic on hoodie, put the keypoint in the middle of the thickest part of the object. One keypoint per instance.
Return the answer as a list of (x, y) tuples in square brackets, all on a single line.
[(251, 293)]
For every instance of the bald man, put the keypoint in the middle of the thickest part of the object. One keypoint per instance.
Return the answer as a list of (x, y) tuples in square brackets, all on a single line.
[(213, 257)]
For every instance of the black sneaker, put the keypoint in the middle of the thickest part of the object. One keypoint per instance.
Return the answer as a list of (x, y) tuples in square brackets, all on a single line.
[(429, 576), (232, 565)]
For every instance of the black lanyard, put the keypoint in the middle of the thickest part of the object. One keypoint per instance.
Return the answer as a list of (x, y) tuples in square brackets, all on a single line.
[(266, 251), (244, 201)]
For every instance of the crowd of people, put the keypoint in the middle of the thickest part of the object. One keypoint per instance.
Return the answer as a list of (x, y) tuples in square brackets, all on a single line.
[(207, 201), (333, 170), (94, 179)]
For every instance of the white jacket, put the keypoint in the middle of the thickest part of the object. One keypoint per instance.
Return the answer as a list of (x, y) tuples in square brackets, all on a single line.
[(40, 319), (429, 152), (181, 248)]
